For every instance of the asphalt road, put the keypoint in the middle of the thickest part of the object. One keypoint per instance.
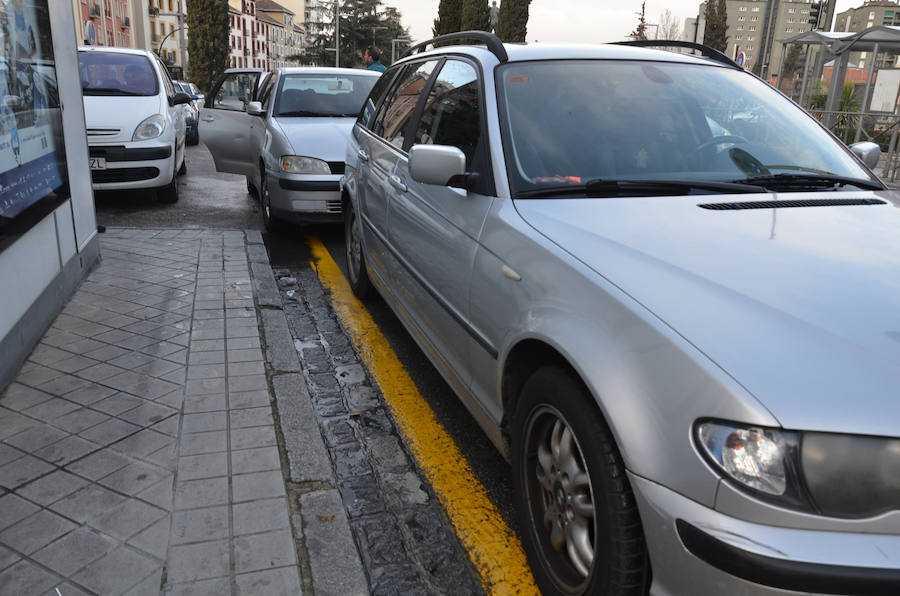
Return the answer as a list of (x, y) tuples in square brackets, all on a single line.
[(213, 200)]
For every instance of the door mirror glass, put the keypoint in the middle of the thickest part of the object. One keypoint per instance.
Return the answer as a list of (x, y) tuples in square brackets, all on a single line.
[(441, 165), (180, 98), (255, 108), (867, 152)]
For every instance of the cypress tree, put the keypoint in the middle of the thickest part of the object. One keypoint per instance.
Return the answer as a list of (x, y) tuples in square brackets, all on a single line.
[(512, 20), (716, 25), (449, 17), (476, 15), (208, 46)]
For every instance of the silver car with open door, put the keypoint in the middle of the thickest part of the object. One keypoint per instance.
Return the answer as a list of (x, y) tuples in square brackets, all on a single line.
[(287, 132)]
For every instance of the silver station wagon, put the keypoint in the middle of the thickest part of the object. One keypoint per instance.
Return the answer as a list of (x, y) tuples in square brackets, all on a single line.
[(667, 293), (286, 131)]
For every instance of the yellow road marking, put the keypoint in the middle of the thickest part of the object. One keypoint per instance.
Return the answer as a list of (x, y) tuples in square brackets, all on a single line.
[(493, 547)]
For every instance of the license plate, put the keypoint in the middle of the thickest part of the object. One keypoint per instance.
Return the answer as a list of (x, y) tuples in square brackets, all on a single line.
[(98, 163)]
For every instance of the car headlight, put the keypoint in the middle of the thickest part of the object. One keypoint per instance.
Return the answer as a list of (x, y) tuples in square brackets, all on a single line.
[(150, 128), (837, 475), (297, 164)]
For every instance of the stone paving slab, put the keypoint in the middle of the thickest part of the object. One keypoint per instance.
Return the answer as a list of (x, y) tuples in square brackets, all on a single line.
[(137, 446)]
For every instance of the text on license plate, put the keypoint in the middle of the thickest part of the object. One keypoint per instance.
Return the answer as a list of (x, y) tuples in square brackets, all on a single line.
[(98, 163)]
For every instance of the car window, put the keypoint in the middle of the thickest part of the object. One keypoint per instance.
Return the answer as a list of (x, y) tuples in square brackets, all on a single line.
[(367, 115), (113, 73), (166, 79), (311, 94), (235, 91), (401, 104), (265, 97), (452, 114)]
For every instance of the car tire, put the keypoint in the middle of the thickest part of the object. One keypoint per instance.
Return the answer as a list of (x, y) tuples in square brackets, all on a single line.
[(581, 537), (270, 221), (357, 275), (183, 169), (250, 187), (168, 193)]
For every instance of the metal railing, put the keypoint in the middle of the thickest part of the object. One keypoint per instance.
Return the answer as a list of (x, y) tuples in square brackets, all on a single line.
[(880, 128)]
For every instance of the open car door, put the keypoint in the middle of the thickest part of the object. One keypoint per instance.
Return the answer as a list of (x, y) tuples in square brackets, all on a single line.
[(225, 124)]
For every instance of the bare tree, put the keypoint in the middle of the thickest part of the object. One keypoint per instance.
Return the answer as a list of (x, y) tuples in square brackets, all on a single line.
[(669, 27)]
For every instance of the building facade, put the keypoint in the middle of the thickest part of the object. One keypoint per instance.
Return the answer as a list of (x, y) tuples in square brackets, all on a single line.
[(104, 22), (285, 35), (756, 28), (168, 34), (870, 14), (248, 37)]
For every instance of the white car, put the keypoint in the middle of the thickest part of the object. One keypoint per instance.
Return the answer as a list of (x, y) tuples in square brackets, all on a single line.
[(135, 122)]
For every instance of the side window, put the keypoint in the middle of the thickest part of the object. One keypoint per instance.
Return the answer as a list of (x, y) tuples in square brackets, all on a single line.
[(452, 114), (367, 115), (266, 95), (167, 82), (235, 91), (402, 102)]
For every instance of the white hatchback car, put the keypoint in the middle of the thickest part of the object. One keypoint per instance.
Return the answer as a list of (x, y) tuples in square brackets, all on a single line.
[(135, 122)]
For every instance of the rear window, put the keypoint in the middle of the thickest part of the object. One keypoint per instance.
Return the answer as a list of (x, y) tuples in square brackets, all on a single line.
[(322, 95), (108, 73)]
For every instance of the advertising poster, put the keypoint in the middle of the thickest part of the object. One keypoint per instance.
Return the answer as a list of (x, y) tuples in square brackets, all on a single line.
[(32, 156)]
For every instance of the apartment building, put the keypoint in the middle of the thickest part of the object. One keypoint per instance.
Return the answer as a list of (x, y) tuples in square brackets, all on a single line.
[(104, 22), (249, 35), (285, 36), (166, 17)]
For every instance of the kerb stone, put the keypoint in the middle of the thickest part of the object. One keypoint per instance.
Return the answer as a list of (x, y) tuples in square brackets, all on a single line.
[(303, 441)]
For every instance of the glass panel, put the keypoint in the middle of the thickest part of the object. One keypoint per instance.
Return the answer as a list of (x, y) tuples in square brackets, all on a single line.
[(402, 103), (322, 95), (108, 73), (452, 115), (235, 92), (374, 99), (32, 151)]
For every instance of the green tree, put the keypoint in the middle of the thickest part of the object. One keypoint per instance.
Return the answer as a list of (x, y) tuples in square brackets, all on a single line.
[(362, 25), (512, 20), (640, 32), (208, 44), (714, 35), (476, 16), (449, 17)]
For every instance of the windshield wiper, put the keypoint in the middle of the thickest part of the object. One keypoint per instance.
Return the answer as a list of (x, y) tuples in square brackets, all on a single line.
[(795, 181), (636, 188), (108, 91)]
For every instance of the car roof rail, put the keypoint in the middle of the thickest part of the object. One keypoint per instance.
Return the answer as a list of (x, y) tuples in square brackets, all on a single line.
[(492, 42), (707, 51)]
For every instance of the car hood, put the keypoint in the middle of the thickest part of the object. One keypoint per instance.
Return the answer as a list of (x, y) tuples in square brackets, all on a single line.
[(112, 119), (322, 138), (801, 305)]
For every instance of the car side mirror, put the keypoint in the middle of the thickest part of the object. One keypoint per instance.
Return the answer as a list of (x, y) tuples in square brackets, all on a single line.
[(254, 108), (197, 96), (867, 152), (180, 98), (442, 165)]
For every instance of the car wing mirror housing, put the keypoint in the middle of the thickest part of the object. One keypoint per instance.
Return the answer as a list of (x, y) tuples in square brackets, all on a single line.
[(254, 108), (180, 98), (867, 152), (441, 165)]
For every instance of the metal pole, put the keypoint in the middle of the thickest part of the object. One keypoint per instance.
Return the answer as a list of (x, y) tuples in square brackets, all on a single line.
[(181, 29), (865, 100), (781, 66), (337, 34), (805, 74)]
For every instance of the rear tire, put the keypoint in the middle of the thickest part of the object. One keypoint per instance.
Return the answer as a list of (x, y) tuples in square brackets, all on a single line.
[(357, 275), (582, 529), (270, 221)]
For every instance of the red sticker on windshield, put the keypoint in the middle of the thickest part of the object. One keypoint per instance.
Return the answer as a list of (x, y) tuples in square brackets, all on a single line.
[(520, 79)]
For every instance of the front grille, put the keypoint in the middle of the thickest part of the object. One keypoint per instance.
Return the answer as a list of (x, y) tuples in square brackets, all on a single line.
[(785, 204), (333, 206), (123, 175), (103, 132), (337, 167)]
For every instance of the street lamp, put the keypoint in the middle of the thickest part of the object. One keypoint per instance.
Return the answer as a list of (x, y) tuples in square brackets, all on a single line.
[(394, 43), (168, 35), (374, 29)]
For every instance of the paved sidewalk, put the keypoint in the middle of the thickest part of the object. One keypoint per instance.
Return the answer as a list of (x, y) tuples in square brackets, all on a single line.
[(138, 451)]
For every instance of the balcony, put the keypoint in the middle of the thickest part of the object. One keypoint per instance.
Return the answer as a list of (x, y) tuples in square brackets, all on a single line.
[(95, 10), (155, 38), (154, 11), (246, 51), (126, 23)]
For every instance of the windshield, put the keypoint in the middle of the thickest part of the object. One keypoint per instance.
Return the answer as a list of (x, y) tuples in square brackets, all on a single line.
[(322, 94), (571, 122), (108, 73)]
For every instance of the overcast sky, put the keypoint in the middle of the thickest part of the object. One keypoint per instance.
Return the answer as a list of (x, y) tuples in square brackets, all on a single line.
[(584, 21)]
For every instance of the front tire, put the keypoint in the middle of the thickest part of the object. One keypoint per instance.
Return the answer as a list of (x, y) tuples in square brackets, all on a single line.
[(169, 193), (582, 529), (270, 221), (356, 260)]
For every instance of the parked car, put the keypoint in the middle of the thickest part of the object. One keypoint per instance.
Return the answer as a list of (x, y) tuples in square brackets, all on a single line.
[(135, 121), (287, 132), (686, 341), (191, 115)]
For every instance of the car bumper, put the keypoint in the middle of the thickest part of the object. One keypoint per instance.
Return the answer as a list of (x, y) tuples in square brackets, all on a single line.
[(305, 197), (133, 165), (696, 550)]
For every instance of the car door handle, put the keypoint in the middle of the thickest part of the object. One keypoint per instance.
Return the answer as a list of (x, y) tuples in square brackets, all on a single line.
[(397, 183), (361, 153)]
